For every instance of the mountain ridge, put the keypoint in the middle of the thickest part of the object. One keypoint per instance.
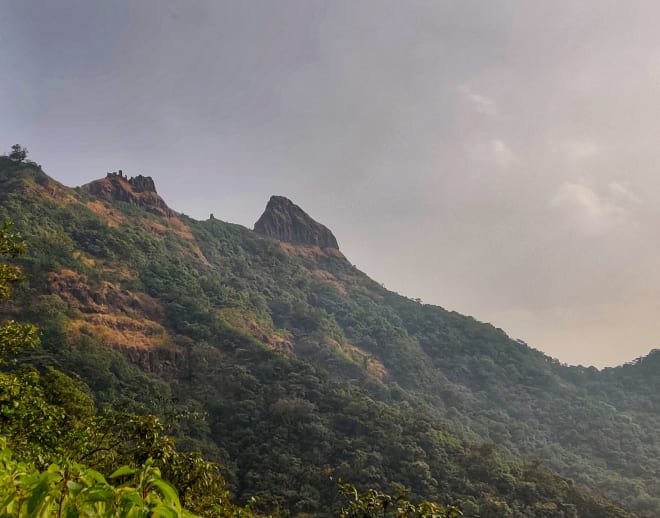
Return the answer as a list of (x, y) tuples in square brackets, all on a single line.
[(117, 187), (281, 341)]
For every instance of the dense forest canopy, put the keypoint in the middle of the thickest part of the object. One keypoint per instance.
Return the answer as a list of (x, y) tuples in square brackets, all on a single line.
[(292, 370)]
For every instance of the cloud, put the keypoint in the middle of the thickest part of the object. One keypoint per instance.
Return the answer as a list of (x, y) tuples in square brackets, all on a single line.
[(580, 149), (502, 153), (493, 152), (594, 213), (481, 103), (622, 193)]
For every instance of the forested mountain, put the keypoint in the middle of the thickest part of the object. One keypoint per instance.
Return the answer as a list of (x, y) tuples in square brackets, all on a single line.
[(291, 368)]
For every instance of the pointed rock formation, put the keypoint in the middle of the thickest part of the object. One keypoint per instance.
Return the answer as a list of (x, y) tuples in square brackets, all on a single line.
[(284, 221), (138, 190)]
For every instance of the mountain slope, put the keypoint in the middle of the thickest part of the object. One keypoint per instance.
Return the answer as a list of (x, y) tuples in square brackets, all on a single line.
[(304, 363)]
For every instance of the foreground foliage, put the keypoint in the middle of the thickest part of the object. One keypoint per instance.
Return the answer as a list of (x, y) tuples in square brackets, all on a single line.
[(73, 490)]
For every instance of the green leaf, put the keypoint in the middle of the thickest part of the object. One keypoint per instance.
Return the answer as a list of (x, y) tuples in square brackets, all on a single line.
[(164, 511), (123, 471), (71, 511), (39, 497), (90, 477), (169, 493), (74, 487)]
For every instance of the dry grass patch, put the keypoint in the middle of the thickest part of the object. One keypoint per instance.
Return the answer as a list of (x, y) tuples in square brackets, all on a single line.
[(113, 217), (248, 324), (119, 331), (326, 276), (372, 365)]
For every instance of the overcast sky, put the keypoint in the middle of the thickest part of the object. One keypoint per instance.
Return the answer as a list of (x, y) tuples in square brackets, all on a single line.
[(497, 158)]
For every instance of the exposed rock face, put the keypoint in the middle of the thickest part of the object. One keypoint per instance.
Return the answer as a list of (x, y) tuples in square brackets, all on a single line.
[(142, 183), (285, 221), (139, 190)]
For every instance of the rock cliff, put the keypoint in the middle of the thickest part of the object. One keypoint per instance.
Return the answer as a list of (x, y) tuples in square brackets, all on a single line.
[(139, 190), (284, 221)]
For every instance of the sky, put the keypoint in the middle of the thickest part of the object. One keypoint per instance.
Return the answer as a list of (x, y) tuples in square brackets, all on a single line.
[(495, 158)]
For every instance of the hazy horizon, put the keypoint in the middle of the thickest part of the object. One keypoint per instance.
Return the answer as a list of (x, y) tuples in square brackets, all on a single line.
[(494, 159)]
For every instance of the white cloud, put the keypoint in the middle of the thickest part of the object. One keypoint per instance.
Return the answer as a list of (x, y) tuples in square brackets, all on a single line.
[(502, 153), (481, 103), (594, 213), (622, 193), (578, 150), (494, 152)]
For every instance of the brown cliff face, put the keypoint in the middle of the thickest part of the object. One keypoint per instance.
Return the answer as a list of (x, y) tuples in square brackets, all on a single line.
[(285, 221), (139, 190)]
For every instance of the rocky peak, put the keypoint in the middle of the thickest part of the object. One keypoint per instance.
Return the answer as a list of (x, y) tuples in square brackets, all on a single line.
[(285, 221), (142, 183), (138, 190)]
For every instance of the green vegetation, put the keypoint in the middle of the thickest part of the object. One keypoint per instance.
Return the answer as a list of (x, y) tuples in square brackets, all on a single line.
[(18, 153), (373, 503), (75, 491), (281, 364), (49, 421)]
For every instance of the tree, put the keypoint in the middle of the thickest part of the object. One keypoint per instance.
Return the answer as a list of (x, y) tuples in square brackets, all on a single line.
[(14, 337), (18, 153), (374, 504)]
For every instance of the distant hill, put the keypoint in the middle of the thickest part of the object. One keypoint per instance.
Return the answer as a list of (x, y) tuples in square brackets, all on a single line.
[(292, 368)]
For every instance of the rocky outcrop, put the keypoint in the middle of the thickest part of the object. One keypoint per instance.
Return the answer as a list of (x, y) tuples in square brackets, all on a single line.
[(142, 184), (138, 190), (284, 221)]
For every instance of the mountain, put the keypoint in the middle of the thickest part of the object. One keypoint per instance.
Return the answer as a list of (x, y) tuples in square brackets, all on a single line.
[(285, 363), (139, 190), (285, 221)]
